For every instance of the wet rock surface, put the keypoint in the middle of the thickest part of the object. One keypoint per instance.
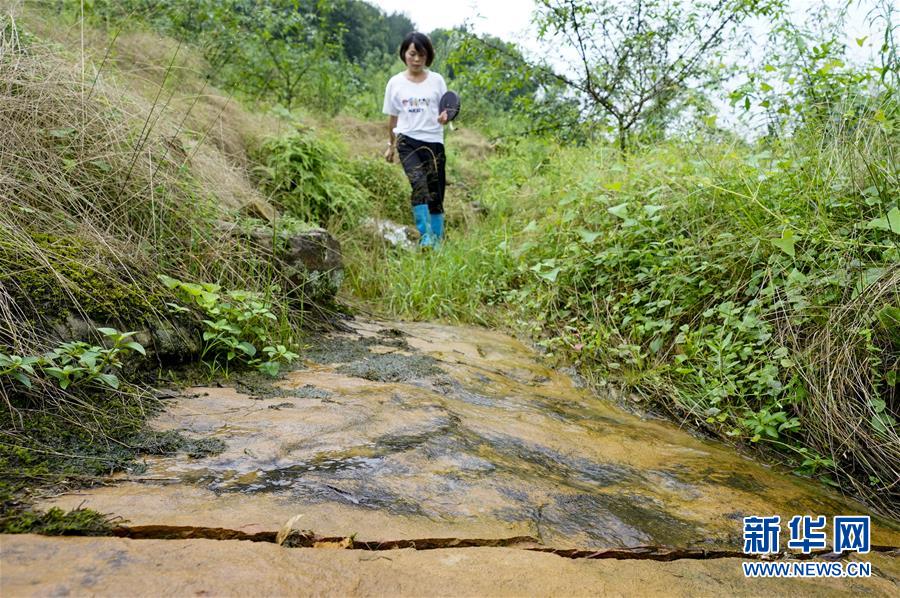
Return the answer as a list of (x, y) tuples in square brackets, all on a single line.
[(406, 432), (121, 567)]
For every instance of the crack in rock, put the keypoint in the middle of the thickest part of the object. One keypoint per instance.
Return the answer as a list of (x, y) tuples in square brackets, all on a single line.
[(295, 538)]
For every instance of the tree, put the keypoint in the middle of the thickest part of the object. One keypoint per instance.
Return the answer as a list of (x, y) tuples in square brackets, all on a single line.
[(263, 46), (635, 58), (368, 33), (501, 90)]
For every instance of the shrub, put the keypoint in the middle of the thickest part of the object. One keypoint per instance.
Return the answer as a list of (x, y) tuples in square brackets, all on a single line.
[(309, 178), (240, 327), (387, 188)]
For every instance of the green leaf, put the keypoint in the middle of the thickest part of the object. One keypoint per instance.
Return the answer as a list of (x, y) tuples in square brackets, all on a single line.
[(22, 378), (109, 379), (135, 346), (175, 308), (168, 281), (882, 422), (889, 317), (61, 133), (869, 277), (891, 222), (619, 211), (56, 373), (108, 331), (568, 198), (588, 236), (796, 278), (550, 274), (247, 348), (88, 359), (786, 242), (269, 367)]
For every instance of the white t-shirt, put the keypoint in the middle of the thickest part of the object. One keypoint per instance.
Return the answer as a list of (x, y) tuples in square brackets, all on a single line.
[(416, 106)]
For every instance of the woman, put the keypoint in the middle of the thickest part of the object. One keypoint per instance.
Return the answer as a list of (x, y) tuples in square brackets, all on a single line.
[(416, 129)]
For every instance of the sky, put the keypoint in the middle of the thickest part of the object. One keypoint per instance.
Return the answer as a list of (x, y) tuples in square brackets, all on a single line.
[(510, 19), (506, 19)]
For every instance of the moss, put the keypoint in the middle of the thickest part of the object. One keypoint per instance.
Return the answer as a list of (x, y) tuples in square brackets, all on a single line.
[(56, 522), (171, 442), (67, 274), (46, 446), (392, 368), (257, 385), (341, 349)]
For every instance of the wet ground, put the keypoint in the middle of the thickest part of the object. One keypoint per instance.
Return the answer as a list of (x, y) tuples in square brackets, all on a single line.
[(424, 435)]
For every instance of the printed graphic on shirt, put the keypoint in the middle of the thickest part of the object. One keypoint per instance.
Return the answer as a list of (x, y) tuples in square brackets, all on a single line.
[(413, 105)]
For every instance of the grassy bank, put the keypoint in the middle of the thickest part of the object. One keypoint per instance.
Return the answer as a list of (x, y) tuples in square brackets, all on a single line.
[(129, 184), (748, 290)]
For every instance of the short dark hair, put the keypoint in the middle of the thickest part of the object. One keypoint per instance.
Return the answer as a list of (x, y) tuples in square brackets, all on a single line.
[(421, 43)]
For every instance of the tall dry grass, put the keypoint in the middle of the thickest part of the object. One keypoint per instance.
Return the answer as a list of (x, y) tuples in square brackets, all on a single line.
[(110, 175), (137, 180)]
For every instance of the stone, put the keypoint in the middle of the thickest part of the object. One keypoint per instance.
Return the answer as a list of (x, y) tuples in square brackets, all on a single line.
[(70, 566), (504, 447), (257, 208), (398, 235), (166, 341), (311, 261)]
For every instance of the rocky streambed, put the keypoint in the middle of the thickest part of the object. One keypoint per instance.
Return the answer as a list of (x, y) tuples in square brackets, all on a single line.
[(441, 460)]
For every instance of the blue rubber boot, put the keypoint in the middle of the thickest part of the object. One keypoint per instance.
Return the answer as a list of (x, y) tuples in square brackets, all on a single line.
[(423, 223), (437, 227)]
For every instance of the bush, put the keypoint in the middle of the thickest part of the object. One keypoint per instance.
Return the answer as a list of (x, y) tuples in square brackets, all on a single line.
[(240, 329), (387, 188), (309, 178)]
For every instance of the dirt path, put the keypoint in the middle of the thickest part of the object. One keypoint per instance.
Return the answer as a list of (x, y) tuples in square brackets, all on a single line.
[(456, 450)]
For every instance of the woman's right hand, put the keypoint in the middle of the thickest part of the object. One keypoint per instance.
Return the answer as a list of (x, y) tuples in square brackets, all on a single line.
[(389, 153)]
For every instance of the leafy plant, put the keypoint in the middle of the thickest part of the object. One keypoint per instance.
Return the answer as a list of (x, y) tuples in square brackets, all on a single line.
[(308, 178), (74, 364), (768, 423), (238, 325)]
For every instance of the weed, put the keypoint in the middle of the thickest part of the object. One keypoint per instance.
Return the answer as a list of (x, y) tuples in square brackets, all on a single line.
[(56, 522), (307, 177), (239, 327)]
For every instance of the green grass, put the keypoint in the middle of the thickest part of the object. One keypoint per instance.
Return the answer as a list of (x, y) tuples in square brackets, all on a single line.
[(747, 290), (56, 522)]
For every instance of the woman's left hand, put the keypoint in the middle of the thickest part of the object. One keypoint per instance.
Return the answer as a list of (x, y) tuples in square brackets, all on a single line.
[(443, 118)]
